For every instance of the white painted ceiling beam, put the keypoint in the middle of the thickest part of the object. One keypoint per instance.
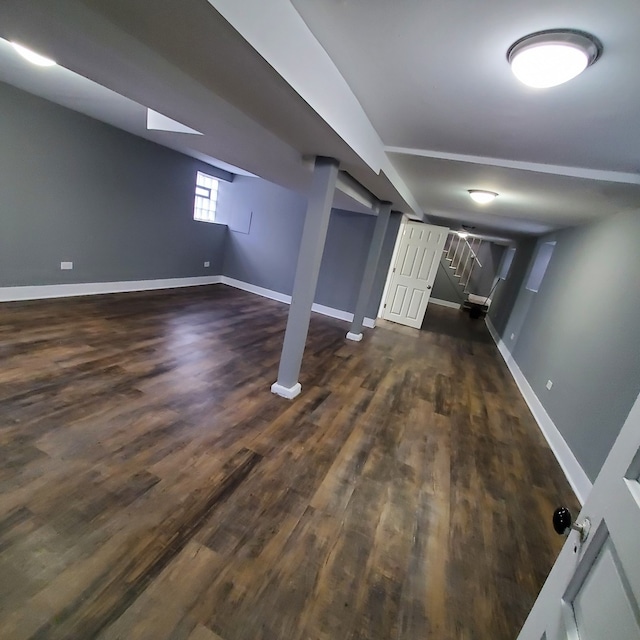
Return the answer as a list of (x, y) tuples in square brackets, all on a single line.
[(553, 169), (279, 34), (351, 187)]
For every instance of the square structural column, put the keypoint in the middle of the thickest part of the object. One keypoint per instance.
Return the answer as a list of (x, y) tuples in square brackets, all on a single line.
[(314, 234), (375, 249)]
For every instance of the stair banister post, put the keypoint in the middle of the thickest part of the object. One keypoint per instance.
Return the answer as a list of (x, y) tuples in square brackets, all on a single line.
[(455, 253), (463, 261)]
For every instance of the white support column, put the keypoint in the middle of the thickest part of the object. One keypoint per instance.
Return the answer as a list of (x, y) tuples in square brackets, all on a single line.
[(375, 248), (304, 287)]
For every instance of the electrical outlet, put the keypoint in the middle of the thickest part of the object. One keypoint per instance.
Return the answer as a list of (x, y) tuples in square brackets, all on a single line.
[(66, 265), (207, 263), (513, 335), (549, 384)]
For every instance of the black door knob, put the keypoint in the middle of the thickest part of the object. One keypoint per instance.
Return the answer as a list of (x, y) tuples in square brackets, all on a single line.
[(563, 524), (562, 520)]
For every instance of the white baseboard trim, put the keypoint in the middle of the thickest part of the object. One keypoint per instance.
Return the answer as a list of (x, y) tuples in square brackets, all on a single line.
[(252, 288), (283, 297), (573, 471), (444, 303), (356, 337), (286, 392), (341, 315), (40, 292)]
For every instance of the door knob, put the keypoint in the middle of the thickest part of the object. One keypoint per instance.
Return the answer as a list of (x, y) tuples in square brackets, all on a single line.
[(563, 524), (428, 286)]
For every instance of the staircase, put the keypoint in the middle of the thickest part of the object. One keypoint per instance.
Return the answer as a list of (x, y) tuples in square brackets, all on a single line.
[(461, 258)]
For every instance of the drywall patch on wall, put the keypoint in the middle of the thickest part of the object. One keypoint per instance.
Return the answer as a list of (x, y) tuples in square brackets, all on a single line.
[(241, 221), (265, 256)]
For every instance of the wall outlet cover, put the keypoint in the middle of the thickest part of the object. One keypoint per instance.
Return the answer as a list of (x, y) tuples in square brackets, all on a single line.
[(549, 384), (207, 263), (66, 265), (513, 335)]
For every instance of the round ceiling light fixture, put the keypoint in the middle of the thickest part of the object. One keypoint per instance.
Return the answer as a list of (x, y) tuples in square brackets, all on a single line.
[(33, 57), (482, 197), (549, 58)]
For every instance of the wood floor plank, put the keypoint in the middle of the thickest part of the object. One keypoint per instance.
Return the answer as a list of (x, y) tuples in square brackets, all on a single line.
[(151, 486), (202, 633)]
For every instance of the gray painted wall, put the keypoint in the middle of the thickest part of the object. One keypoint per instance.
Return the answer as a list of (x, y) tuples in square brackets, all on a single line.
[(267, 255), (344, 258), (582, 331), (445, 286), (482, 279), (121, 208), (384, 263), (74, 189), (504, 298)]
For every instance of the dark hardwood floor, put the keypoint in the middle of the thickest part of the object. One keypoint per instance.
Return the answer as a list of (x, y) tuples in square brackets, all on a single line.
[(152, 487)]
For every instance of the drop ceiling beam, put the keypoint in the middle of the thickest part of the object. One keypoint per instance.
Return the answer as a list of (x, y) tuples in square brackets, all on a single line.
[(554, 169), (356, 191)]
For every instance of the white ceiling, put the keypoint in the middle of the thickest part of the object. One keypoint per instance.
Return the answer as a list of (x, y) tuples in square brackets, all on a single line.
[(414, 98), (434, 75)]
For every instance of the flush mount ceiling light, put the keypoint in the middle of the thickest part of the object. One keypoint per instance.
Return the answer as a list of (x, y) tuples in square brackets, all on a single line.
[(482, 197), (549, 58), (32, 56), (463, 234)]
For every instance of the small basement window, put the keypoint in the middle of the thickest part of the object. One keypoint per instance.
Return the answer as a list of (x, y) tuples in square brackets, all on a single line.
[(543, 258), (206, 198)]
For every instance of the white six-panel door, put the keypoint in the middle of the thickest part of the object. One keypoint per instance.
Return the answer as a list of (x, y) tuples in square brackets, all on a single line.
[(593, 590), (414, 271)]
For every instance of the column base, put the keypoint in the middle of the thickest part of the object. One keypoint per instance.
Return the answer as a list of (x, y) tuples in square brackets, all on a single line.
[(286, 392), (356, 337)]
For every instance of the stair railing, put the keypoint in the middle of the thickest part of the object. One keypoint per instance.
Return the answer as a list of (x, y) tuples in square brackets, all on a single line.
[(472, 260), (463, 258), (455, 253)]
